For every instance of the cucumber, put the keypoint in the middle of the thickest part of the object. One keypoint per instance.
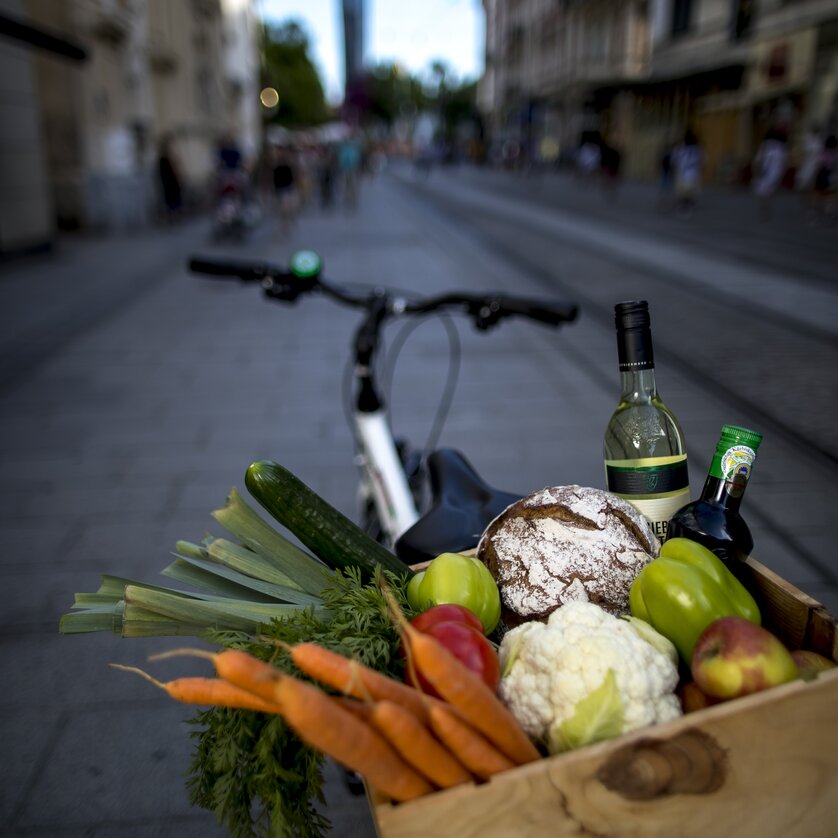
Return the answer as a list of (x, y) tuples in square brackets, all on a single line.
[(330, 535)]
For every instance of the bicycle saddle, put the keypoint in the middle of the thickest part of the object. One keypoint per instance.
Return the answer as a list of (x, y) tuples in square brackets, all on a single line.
[(462, 506)]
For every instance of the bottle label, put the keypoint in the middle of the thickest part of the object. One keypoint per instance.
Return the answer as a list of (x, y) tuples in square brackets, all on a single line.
[(736, 461), (659, 511), (650, 476), (657, 486)]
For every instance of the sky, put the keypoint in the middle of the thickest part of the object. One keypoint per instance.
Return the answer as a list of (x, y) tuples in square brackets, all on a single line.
[(412, 33)]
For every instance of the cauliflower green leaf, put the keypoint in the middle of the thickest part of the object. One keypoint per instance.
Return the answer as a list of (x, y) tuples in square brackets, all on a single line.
[(512, 655), (596, 717), (651, 635)]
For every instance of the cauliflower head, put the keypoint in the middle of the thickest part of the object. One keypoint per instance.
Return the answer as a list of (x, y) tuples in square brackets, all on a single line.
[(584, 676)]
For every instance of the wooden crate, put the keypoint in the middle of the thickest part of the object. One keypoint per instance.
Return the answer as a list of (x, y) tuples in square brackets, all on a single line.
[(765, 765)]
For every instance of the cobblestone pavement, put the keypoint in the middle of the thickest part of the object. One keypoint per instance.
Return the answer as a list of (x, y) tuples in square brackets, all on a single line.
[(133, 396)]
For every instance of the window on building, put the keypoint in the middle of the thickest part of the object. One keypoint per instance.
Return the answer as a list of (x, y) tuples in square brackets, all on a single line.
[(597, 40), (515, 44), (742, 19), (681, 14), (204, 90)]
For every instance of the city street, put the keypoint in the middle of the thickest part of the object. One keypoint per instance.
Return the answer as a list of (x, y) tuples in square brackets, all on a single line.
[(133, 396)]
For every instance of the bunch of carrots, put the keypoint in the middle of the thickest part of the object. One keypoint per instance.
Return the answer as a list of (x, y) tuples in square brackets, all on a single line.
[(404, 742)]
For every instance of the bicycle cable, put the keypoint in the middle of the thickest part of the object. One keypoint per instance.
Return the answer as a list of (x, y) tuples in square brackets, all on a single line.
[(452, 376), (392, 356)]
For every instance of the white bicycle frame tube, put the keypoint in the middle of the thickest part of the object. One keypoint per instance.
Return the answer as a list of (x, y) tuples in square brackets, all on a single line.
[(385, 474)]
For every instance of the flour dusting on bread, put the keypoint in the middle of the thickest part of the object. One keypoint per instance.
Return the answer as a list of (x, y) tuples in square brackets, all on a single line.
[(567, 543)]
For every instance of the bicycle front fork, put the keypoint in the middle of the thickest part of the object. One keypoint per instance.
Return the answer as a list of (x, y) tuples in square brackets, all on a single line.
[(384, 481)]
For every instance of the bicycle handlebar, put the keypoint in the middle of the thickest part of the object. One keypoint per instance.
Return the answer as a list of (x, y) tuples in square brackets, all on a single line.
[(484, 309), (487, 309), (552, 314), (245, 271)]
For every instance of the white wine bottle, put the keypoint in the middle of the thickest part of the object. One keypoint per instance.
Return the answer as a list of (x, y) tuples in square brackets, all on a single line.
[(644, 450)]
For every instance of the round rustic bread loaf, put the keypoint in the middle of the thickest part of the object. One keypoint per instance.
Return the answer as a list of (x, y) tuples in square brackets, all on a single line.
[(567, 543)]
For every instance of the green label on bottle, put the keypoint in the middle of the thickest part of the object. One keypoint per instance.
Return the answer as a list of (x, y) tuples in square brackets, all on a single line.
[(733, 462), (650, 477), (656, 486)]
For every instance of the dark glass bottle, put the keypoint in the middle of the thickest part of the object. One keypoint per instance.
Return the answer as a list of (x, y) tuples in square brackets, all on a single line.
[(714, 520)]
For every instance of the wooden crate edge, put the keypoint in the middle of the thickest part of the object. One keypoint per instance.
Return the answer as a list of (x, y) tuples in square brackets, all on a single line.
[(601, 764), (800, 620)]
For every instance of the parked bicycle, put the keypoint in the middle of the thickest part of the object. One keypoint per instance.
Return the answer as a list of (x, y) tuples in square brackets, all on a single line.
[(423, 502)]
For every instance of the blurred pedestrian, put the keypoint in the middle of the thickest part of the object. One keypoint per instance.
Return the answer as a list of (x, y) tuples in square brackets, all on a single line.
[(229, 155), (349, 166), (609, 162), (804, 180), (666, 179), (589, 154), (770, 166), (826, 180), (327, 172), (171, 191), (285, 188), (687, 168)]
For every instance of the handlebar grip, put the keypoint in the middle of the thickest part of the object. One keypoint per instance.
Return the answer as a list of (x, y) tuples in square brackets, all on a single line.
[(246, 271), (550, 313)]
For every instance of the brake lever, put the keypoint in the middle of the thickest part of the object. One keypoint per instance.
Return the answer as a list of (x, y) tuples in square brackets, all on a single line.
[(486, 314), (287, 290), (282, 291)]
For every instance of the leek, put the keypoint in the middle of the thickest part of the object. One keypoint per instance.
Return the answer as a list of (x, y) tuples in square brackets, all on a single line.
[(237, 587)]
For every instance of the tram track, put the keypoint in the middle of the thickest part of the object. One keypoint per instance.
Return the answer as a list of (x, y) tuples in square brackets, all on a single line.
[(806, 250), (747, 343), (756, 360)]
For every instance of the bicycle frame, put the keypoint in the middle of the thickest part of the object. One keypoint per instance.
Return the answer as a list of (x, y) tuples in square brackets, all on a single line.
[(387, 478), (384, 481), (383, 477)]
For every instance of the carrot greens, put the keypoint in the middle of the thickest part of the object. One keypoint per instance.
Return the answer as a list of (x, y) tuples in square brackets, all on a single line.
[(253, 590), (250, 769)]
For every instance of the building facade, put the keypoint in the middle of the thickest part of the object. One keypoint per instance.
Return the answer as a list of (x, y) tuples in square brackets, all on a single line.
[(639, 73), (549, 62), (735, 70), (185, 71)]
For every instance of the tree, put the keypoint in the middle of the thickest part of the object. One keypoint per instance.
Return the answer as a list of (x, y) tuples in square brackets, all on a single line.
[(391, 93), (288, 68), (455, 103), (460, 106)]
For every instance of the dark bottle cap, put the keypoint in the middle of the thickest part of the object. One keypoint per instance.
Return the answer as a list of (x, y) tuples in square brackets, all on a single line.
[(634, 336), (633, 314)]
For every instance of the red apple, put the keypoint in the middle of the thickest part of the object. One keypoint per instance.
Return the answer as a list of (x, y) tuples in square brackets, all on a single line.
[(811, 663), (734, 657)]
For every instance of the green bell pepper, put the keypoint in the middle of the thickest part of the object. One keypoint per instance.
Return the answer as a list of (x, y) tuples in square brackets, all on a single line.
[(464, 580), (684, 590)]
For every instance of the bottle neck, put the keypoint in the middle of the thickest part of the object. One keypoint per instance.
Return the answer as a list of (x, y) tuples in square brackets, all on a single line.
[(725, 493), (638, 386), (729, 472), (637, 364)]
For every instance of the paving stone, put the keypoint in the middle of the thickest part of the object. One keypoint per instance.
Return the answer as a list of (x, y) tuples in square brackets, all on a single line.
[(132, 425)]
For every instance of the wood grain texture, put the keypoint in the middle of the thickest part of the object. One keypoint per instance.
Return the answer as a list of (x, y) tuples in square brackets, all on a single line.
[(764, 766), (776, 754), (800, 621)]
